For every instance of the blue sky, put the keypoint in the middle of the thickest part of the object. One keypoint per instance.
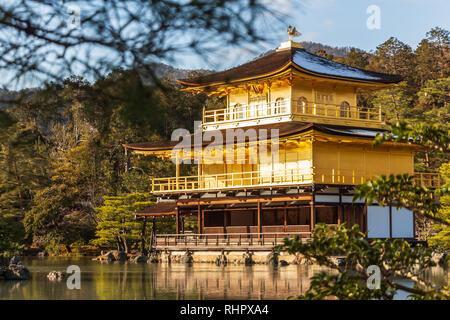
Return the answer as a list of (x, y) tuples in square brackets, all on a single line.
[(338, 23)]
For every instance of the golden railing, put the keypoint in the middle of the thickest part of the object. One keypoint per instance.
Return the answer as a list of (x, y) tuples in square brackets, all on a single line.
[(275, 178), (242, 112), (191, 240), (339, 111), (428, 179), (231, 180), (254, 111)]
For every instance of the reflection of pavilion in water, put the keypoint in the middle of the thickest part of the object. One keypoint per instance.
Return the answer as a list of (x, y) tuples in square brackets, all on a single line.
[(232, 282)]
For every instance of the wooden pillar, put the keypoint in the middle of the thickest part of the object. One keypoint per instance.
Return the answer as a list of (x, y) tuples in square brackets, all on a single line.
[(177, 221), (202, 225), (259, 218), (312, 214), (364, 226), (224, 220), (182, 224), (152, 241), (340, 208), (199, 219), (177, 169)]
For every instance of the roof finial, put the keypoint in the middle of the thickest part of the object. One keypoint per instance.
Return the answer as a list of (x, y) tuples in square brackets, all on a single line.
[(292, 32)]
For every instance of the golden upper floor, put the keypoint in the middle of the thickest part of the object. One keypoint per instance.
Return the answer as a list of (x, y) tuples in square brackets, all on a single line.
[(291, 84)]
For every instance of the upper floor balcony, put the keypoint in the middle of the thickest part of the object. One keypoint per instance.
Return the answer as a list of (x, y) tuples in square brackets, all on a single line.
[(278, 178), (292, 110)]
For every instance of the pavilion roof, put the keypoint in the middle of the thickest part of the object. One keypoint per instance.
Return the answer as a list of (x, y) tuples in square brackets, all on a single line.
[(296, 58), (285, 129), (162, 208)]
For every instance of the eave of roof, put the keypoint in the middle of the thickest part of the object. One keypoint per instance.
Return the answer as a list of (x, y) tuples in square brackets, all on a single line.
[(285, 130), (294, 58), (159, 209)]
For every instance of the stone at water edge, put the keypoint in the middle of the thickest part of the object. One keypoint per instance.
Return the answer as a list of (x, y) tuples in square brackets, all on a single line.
[(42, 254), (121, 256), (221, 260), (284, 263), (139, 259), (153, 257), (272, 259), (187, 258), (55, 276), (15, 260), (248, 261), (16, 272), (109, 256)]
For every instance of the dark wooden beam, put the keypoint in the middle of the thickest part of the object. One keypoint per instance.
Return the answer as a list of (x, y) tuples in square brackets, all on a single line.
[(312, 214), (259, 219), (340, 208), (177, 221), (203, 221), (230, 200), (199, 219)]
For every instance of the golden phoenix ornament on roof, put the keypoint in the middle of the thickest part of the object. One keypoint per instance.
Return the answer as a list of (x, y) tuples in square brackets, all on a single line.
[(292, 32)]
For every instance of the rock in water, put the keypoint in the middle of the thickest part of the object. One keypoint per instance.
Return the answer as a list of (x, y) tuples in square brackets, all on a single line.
[(109, 256), (221, 260), (42, 254), (139, 259), (55, 276), (121, 256), (153, 258), (187, 258), (248, 261), (272, 259), (284, 263), (15, 260), (16, 272)]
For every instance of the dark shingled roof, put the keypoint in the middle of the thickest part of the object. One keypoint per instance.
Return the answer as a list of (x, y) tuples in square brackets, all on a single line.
[(159, 209), (285, 129), (301, 60)]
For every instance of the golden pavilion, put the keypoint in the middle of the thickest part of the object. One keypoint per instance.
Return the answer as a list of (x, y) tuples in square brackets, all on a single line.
[(303, 110)]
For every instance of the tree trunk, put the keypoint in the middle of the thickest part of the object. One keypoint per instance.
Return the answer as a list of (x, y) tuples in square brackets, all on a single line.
[(125, 245), (143, 234)]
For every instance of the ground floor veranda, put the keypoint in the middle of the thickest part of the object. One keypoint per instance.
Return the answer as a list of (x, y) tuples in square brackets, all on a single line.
[(251, 222)]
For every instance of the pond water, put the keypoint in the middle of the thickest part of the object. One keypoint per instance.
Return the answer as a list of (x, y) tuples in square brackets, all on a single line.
[(166, 281)]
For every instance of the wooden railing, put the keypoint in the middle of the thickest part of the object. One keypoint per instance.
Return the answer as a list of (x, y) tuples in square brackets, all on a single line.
[(241, 112), (339, 111), (255, 111), (190, 240), (275, 178), (429, 180), (232, 179)]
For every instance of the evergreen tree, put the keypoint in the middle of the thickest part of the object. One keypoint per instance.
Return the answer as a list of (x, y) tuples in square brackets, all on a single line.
[(117, 225)]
